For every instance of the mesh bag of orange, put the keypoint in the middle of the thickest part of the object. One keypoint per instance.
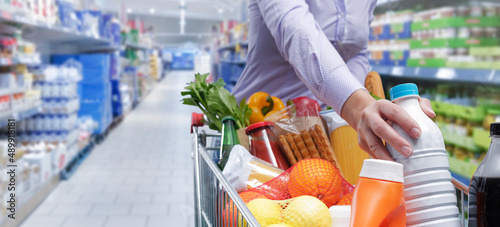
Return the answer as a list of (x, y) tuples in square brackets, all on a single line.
[(298, 197)]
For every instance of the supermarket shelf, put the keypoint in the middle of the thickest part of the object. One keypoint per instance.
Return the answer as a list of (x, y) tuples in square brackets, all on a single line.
[(239, 62), (26, 60), (10, 91), (395, 5), (73, 165), (19, 114), (42, 32), (481, 76), (461, 178), (232, 46), (29, 202), (136, 46)]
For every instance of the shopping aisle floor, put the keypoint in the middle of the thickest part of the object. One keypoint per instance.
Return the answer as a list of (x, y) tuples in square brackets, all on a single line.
[(141, 175)]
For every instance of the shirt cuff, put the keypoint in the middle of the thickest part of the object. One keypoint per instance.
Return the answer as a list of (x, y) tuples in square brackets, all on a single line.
[(338, 87)]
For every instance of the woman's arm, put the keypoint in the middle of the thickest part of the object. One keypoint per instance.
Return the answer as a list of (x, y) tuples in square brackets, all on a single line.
[(303, 44), (320, 67)]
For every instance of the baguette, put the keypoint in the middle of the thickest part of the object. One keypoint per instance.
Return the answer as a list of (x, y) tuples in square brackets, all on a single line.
[(310, 144), (301, 145), (295, 150), (287, 150)]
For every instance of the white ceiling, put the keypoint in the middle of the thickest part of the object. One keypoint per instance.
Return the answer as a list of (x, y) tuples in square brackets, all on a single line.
[(195, 9)]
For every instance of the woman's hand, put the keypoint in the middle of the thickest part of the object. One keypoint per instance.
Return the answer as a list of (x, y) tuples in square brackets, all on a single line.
[(372, 120)]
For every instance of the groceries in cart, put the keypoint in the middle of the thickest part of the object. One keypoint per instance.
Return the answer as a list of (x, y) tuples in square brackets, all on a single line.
[(301, 163)]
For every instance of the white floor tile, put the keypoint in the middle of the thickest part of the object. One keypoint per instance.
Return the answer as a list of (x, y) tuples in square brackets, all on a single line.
[(71, 209), (98, 198), (149, 209), (37, 221), (125, 221), (134, 198), (110, 210), (77, 221)]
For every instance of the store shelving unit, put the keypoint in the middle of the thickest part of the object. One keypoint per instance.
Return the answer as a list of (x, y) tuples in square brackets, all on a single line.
[(19, 114), (233, 45), (136, 46), (50, 39), (57, 35), (240, 62), (441, 74)]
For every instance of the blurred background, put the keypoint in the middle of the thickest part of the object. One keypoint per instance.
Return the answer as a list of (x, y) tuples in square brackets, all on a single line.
[(72, 71)]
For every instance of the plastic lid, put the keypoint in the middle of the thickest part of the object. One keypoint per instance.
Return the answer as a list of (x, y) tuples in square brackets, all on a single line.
[(382, 170), (341, 215), (403, 90), (495, 129), (258, 125)]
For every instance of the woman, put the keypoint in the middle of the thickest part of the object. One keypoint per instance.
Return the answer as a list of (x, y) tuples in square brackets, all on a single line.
[(317, 48)]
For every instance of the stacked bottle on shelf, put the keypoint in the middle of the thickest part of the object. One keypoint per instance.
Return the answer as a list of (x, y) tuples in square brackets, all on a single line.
[(389, 43), (57, 123), (448, 36)]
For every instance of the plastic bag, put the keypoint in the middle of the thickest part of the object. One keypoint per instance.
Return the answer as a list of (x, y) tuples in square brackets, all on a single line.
[(302, 135), (245, 171), (344, 140)]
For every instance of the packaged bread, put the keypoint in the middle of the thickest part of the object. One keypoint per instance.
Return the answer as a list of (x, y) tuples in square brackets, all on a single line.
[(302, 137)]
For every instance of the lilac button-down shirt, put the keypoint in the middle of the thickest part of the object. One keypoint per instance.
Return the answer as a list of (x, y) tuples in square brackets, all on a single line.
[(314, 48)]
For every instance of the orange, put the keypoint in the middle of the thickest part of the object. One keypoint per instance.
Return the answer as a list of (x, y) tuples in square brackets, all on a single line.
[(231, 211), (345, 199), (318, 178)]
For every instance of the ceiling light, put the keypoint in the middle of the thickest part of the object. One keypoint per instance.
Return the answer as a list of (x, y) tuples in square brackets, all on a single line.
[(129, 10), (152, 10), (220, 10)]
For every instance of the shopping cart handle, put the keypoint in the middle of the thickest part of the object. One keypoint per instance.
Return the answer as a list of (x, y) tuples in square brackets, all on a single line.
[(196, 120)]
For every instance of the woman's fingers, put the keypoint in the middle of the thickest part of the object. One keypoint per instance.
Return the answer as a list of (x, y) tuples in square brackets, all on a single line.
[(381, 129), (398, 115), (375, 147), (425, 104)]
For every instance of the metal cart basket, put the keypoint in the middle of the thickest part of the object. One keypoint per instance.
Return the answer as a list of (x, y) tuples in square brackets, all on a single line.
[(213, 193)]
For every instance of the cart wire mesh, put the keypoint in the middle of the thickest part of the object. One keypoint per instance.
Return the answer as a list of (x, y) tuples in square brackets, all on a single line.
[(213, 193), (216, 202)]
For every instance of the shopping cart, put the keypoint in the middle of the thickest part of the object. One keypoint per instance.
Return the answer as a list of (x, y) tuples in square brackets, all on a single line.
[(213, 192)]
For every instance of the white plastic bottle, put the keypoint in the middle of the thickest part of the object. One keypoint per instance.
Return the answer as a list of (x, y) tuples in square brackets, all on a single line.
[(429, 194)]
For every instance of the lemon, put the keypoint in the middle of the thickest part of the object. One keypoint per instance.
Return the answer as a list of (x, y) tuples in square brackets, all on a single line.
[(266, 211), (305, 211)]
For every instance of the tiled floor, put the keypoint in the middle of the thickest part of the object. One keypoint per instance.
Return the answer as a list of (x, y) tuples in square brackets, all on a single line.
[(141, 175)]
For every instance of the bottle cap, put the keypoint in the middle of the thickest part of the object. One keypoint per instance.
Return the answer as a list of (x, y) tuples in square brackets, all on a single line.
[(382, 170), (258, 125), (495, 129), (403, 90), (227, 118)]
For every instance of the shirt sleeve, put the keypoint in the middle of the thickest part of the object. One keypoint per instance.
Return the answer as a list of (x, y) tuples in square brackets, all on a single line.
[(303, 44), (359, 65)]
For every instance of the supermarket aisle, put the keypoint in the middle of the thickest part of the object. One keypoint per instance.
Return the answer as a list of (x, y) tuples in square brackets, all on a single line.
[(141, 175)]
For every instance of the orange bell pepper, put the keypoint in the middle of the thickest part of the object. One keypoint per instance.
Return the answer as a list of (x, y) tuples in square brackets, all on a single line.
[(262, 105)]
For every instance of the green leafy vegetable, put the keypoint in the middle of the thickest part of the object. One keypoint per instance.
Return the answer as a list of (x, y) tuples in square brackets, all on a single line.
[(215, 102)]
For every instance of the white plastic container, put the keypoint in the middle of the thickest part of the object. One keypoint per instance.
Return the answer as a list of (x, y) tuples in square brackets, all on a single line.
[(341, 215), (429, 193)]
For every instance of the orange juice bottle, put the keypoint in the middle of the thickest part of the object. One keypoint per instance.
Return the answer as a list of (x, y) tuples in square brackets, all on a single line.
[(378, 199)]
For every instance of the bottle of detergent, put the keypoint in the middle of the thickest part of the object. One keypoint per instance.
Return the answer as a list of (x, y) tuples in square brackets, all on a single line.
[(429, 194)]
